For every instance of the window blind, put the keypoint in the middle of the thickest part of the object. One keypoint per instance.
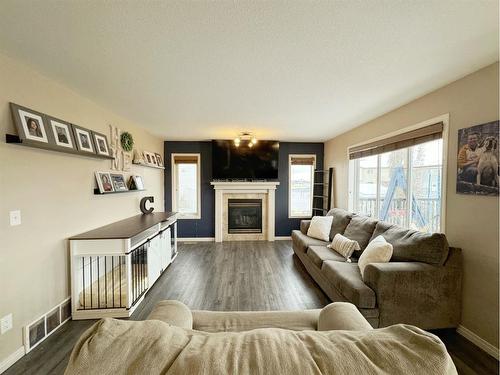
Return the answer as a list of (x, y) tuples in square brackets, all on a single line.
[(411, 138), (185, 159), (302, 160)]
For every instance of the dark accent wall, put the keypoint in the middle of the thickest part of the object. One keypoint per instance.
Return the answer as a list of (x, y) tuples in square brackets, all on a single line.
[(284, 225), (205, 227)]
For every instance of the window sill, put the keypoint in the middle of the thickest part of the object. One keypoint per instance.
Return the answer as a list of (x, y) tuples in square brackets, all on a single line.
[(188, 217), (301, 217)]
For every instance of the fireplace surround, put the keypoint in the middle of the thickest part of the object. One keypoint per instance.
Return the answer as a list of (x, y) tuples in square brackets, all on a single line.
[(264, 191)]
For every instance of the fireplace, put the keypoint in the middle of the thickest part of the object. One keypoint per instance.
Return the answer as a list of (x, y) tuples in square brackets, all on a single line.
[(244, 216)]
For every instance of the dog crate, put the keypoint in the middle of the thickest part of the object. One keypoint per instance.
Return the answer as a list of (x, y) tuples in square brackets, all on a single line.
[(111, 276)]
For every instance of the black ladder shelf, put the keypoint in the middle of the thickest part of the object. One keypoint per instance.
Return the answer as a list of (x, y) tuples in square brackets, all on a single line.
[(323, 179)]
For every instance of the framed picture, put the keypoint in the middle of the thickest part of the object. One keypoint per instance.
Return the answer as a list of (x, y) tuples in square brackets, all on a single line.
[(30, 124), (83, 139), (136, 183), (101, 143), (118, 182), (104, 182), (149, 158), (62, 133), (159, 160), (477, 160), (153, 158)]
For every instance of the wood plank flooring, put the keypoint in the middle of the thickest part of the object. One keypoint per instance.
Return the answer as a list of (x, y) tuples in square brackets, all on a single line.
[(231, 276)]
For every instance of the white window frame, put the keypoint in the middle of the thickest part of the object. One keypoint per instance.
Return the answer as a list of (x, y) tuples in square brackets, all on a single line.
[(352, 171), (197, 214), (290, 156)]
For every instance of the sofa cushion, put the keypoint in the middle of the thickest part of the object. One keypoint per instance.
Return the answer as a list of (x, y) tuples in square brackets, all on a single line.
[(344, 246), (413, 246), (301, 241), (320, 227), (360, 229), (319, 254), (346, 278), (341, 219), (304, 226), (377, 251)]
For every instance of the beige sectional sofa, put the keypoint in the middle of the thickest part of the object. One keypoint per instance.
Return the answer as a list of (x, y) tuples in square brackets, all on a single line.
[(421, 285)]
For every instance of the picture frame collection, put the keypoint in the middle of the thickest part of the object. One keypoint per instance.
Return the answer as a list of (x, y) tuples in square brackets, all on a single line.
[(40, 130), (45, 131), (111, 182)]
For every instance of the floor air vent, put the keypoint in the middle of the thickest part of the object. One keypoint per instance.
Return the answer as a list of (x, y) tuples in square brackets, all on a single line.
[(41, 328)]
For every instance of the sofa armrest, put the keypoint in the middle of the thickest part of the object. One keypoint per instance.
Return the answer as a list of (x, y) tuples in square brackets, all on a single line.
[(172, 312), (304, 226), (426, 295), (342, 316)]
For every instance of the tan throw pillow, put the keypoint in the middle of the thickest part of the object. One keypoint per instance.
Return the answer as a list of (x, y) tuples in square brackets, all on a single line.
[(320, 227), (344, 246), (377, 251)]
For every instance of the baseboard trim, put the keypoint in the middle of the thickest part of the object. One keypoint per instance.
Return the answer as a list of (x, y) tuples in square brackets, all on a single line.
[(196, 239), (478, 341), (11, 359), (282, 238)]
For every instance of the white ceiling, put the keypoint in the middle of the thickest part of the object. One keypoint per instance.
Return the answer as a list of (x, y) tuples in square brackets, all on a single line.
[(285, 70)]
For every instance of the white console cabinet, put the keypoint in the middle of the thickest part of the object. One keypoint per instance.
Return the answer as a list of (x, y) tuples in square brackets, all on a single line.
[(113, 267)]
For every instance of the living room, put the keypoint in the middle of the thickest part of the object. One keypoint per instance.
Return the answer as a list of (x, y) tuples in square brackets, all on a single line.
[(249, 187)]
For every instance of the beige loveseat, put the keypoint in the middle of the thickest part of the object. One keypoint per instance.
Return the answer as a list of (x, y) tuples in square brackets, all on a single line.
[(421, 285), (334, 340)]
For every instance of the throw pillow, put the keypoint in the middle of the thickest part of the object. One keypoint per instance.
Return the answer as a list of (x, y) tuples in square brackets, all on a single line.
[(344, 246), (377, 251), (320, 227)]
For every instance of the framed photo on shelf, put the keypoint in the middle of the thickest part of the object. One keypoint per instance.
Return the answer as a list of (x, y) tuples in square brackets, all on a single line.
[(146, 157), (118, 182), (153, 159), (83, 139), (104, 182), (136, 183), (30, 124), (61, 130), (101, 143), (159, 160)]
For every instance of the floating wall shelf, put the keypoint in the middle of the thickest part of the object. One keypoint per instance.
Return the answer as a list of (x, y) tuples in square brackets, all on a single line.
[(14, 139), (147, 165), (97, 191)]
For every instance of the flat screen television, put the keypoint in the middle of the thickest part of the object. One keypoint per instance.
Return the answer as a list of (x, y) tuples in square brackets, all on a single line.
[(243, 162)]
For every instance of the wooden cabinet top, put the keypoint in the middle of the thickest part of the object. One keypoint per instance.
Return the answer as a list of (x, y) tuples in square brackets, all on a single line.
[(126, 228)]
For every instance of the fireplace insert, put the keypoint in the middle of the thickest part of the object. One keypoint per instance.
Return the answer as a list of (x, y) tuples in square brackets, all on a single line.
[(244, 216)]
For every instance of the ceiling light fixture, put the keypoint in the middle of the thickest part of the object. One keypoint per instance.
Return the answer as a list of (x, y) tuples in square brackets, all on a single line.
[(245, 136)]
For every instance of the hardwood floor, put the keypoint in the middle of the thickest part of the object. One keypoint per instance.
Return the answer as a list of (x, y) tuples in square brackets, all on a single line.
[(232, 276)]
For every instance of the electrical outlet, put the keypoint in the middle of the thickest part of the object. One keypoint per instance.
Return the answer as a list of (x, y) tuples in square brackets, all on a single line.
[(5, 323), (15, 217)]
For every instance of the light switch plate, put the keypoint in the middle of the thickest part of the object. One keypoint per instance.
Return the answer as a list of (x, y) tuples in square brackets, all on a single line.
[(5, 323), (15, 217)]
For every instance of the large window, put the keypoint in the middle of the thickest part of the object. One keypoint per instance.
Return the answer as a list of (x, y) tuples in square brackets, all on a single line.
[(301, 180), (404, 185), (186, 185)]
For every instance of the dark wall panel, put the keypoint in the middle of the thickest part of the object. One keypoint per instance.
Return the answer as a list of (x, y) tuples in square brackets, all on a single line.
[(205, 227), (284, 225)]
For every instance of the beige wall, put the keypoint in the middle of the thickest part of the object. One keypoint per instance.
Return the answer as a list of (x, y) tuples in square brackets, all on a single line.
[(54, 192), (471, 221)]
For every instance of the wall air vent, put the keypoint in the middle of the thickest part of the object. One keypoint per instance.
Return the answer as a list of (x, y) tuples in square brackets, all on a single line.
[(44, 326)]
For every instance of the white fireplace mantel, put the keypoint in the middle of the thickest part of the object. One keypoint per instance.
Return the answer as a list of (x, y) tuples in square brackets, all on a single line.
[(244, 187)]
